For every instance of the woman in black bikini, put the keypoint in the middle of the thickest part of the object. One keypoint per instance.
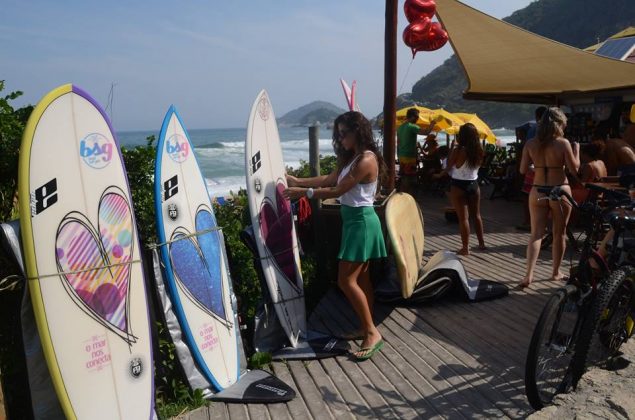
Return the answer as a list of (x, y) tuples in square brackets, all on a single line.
[(550, 152)]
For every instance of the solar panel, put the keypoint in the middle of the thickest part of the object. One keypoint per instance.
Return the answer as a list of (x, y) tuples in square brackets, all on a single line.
[(616, 48)]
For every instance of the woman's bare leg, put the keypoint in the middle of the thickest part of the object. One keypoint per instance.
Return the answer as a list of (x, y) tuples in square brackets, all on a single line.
[(347, 279), (457, 198), (474, 209), (538, 211), (367, 286), (560, 212)]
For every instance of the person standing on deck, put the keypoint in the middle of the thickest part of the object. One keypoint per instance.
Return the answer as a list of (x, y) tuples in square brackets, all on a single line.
[(550, 152), (407, 150), (463, 165), (354, 181)]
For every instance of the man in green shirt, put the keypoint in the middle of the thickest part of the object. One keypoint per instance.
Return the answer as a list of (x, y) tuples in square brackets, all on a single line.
[(407, 150)]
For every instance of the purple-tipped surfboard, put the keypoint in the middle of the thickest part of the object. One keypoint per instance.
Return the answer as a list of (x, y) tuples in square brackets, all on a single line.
[(83, 262), (193, 253), (272, 218)]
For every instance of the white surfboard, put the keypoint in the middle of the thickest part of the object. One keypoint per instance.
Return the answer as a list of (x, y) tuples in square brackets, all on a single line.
[(82, 257), (272, 218), (192, 251)]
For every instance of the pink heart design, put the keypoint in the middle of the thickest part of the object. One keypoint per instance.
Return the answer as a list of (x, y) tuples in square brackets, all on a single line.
[(276, 227), (103, 291)]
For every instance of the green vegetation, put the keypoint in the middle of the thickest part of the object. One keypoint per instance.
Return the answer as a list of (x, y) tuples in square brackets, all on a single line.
[(12, 362), (579, 23)]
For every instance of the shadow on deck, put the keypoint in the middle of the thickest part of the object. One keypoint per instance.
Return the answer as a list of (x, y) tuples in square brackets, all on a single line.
[(450, 358)]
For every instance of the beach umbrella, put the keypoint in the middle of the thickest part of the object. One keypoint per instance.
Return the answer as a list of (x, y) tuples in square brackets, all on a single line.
[(445, 120), (424, 120), (483, 129)]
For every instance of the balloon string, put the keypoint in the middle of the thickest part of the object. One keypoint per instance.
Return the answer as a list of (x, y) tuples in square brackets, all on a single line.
[(84, 270), (406, 75)]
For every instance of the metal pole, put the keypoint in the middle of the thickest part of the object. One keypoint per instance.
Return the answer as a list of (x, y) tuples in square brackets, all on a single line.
[(390, 91)]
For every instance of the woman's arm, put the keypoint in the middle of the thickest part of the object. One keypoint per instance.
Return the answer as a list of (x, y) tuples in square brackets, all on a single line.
[(366, 166), (572, 156), (313, 182), (525, 159)]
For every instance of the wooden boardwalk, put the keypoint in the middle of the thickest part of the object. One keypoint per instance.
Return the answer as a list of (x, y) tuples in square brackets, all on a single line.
[(449, 359)]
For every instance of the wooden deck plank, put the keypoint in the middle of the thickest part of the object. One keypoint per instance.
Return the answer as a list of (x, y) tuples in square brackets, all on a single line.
[(259, 411), (297, 408), (415, 405), (309, 391), (217, 411), (391, 358), (238, 411), (461, 365), (392, 404)]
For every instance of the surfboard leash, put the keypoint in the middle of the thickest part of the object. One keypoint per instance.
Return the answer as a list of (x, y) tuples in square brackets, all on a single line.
[(84, 270), (181, 237)]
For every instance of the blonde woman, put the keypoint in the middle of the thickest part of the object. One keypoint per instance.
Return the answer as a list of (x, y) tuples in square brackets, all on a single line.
[(550, 153)]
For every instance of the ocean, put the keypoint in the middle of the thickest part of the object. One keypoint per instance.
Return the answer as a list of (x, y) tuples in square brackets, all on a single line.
[(221, 152)]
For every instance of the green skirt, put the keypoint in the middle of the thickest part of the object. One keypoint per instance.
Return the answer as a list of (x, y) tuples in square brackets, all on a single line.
[(362, 238)]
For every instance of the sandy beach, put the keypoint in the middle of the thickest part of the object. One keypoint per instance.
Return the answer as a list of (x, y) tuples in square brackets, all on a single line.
[(601, 393)]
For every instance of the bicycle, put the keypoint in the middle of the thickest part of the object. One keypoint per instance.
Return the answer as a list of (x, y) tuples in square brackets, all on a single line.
[(611, 319), (552, 349)]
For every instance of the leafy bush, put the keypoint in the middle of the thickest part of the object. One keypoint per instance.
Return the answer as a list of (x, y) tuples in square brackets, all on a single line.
[(12, 361), (12, 123)]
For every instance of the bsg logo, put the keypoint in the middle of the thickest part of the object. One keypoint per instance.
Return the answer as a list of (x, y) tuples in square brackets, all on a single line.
[(96, 150), (178, 148)]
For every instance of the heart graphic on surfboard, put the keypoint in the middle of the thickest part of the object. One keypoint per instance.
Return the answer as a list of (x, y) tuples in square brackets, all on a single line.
[(197, 263), (95, 263), (276, 227)]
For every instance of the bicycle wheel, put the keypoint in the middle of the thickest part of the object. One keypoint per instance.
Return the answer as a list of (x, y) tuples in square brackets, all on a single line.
[(607, 327), (550, 350)]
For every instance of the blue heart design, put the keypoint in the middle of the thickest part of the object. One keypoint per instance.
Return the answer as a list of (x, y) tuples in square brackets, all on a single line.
[(197, 263)]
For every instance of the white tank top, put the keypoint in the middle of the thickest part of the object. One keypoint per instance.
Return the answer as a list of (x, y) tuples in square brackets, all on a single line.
[(361, 195), (464, 173)]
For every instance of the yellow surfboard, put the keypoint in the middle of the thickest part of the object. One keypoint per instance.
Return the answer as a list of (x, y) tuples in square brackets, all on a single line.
[(404, 222)]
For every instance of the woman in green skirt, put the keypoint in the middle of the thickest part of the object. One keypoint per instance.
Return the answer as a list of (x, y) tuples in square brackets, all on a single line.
[(355, 181)]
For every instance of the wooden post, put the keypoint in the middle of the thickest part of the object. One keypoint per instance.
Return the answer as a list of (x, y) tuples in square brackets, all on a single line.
[(390, 91), (314, 150)]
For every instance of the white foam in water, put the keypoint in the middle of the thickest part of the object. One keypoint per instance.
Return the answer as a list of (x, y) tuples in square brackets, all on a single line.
[(223, 187)]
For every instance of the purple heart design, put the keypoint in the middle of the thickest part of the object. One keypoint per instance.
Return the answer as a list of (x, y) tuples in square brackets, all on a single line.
[(102, 291), (276, 227)]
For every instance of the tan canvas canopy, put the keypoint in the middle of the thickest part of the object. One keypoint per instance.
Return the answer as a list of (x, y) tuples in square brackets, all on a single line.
[(506, 63)]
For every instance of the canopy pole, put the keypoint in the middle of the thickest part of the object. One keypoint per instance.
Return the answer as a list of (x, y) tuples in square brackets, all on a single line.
[(390, 92)]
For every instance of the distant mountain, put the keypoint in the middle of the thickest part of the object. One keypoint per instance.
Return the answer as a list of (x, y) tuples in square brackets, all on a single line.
[(579, 23), (316, 112)]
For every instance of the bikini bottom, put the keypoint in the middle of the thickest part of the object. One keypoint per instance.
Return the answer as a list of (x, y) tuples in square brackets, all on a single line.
[(469, 187)]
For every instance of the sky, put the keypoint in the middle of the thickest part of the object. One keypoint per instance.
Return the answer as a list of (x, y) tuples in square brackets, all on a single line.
[(208, 58)]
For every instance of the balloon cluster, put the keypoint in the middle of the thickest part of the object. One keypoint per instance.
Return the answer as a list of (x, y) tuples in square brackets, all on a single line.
[(422, 34)]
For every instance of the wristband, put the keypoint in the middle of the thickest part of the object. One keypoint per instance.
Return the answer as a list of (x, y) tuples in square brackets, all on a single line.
[(309, 193)]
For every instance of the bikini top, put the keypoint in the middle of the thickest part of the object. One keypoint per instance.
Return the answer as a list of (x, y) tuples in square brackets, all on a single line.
[(361, 195)]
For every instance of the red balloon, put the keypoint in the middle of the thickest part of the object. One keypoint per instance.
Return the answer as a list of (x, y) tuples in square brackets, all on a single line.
[(416, 33), (416, 10), (435, 38)]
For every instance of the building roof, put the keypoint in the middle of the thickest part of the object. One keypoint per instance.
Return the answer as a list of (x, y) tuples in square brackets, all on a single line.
[(503, 62)]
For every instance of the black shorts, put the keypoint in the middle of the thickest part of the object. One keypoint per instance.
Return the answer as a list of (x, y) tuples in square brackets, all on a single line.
[(469, 187)]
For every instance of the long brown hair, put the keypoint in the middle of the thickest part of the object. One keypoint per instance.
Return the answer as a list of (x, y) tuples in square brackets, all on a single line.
[(469, 140), (360, 127), (551, 126)]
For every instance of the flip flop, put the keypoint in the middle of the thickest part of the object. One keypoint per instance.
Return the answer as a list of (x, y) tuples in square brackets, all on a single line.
[(369, 351)]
